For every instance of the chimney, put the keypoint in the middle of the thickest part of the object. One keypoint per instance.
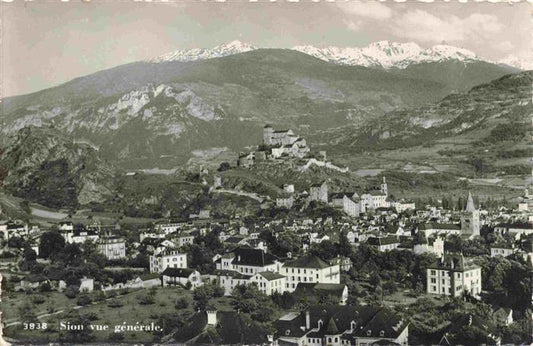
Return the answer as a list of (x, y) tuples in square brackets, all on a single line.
[(307, 320), (211, 317)]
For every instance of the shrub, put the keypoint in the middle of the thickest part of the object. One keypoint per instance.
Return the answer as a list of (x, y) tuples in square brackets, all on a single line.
[(114, 303), (92, 316), (182, 303), (146, 299), (38, 299), (72, 291), (84, 299), (116, 336), (45, 287)]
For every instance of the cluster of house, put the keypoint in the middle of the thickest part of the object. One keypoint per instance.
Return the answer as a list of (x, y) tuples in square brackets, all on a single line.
[(246, 265), (351, 203), (315, 325), (111, 246)]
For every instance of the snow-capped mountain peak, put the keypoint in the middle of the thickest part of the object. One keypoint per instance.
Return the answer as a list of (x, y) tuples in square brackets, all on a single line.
[(388, 54), (230, 48), (514, 61)]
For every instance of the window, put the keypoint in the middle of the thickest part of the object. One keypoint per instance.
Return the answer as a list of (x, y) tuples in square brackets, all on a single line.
[(433, 272), (433, 280)]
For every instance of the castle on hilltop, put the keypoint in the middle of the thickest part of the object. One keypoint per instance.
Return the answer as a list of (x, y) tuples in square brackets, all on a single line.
[(284, 142), (277, 144)]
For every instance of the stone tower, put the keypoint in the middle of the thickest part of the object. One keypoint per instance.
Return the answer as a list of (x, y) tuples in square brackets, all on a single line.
[(384, 188), (470, 224), (267, 135)]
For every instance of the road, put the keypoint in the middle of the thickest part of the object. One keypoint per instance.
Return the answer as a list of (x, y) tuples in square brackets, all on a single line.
[(241, 193)]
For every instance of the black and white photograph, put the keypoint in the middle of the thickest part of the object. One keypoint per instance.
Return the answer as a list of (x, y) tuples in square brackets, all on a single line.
[(266, 172)]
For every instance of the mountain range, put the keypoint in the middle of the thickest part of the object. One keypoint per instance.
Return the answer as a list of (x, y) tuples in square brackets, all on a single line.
[(65, 140), (384, 54), (155, 114)]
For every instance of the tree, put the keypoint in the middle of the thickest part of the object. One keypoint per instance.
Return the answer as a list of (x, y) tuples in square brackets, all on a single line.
[(72, 291), (29, 258), (182, 303), (345, 248), (249, 299), (84, 299), (224, 166), (146, 299), (70, 255), (52, 243)]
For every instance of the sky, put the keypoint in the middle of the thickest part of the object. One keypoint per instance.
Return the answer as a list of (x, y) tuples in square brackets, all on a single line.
[(49, 43)]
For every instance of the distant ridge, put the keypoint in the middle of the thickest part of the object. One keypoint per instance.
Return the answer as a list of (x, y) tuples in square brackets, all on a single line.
[(383, 54)]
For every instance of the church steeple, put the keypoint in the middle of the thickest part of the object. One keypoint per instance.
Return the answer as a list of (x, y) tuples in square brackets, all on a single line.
[(470, 223), (470, 207)]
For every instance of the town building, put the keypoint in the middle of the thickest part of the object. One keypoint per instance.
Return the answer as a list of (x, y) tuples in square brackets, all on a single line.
[(284, 201), (269, 282), (348, 202), (80, 236), (453, 275), (384, 243), (374, 199), (319, 192), (167, 258), (248, 261), (308, 269), (112, 247), (403, 205), (439, 229), (432, 245), (516, 229), (185, 277), (502, 249)]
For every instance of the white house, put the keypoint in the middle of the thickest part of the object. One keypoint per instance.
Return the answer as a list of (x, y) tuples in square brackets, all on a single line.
[(269, 282), (180, 276), (308, 269), (453, 275), (168, 258), (112, 247)]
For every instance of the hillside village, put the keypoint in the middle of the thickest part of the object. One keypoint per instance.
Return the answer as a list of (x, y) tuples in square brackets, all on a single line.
[(317, 266)]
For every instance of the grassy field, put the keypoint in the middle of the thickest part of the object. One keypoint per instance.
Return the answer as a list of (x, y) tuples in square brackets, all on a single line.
[(57, 308)]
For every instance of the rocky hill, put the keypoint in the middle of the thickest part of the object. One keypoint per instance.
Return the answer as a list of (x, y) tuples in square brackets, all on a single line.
[(503, 102), (154, 114), (45, 166)]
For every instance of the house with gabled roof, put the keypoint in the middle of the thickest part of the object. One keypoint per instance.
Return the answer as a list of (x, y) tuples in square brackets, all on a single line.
[(348, 202), (180, 276), (460, 331), (384, 243), (248, 261), (269, 282), (309, 269), (433, 228), (454, 275)]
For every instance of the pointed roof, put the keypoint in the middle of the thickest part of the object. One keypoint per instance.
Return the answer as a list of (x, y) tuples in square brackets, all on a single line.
[(470, 203), (332, 327)]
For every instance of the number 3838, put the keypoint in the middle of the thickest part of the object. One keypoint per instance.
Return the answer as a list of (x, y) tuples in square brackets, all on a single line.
[(35, 326)]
